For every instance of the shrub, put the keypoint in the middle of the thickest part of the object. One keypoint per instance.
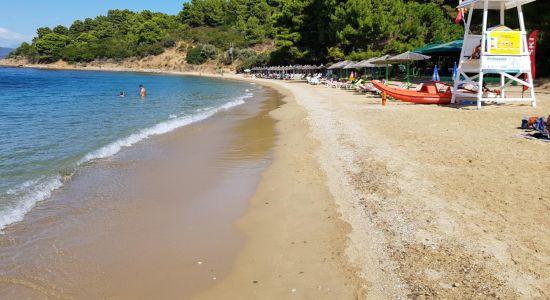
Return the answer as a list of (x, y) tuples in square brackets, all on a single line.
[(209, 51), (201, 53), (194, 56), (221, 37), (169, 43), (244, 54)]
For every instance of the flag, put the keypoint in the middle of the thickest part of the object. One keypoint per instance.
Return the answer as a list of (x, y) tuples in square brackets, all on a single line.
[(460, 16), (455, 72), (435, 76), (532, 46)]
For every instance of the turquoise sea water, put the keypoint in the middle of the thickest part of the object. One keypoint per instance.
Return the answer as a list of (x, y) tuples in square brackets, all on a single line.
[(51, 122)]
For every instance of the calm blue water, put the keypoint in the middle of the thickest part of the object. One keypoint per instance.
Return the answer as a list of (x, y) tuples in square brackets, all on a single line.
[(53, 121)]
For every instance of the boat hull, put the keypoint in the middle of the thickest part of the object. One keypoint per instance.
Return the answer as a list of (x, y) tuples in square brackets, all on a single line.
[(414, 96)]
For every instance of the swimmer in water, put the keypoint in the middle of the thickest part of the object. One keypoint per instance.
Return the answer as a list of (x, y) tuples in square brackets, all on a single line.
[(142, 91), (122, 94)]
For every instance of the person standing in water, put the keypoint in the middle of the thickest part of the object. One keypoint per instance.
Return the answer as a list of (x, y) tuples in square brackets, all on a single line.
[(142, 91)]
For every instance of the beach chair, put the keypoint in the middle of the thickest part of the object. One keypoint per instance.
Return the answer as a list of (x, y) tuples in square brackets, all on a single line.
[(354, 85), (367, 87)]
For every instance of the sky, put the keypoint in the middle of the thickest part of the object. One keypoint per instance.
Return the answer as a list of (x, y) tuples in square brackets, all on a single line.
[(19, 19)]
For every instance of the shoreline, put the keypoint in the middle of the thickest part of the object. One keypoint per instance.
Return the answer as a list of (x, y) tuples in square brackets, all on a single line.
[(54, 181), (67, 67), (295, 238), (406, 218), (77, 233)]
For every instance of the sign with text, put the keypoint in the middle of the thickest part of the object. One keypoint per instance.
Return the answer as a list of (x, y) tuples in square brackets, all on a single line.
[(512, 64), (504, 43)]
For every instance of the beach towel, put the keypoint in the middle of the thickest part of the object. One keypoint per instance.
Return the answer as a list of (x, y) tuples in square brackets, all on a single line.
[(540, 125)]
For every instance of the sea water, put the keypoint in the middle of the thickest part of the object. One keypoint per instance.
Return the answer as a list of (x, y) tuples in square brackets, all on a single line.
[(52, 122)]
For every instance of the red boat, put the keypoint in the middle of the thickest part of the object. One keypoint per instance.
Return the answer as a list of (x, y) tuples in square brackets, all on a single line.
[(428, 94)]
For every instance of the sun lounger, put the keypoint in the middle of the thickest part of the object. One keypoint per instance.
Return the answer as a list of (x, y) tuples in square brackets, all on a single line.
[(367, 88)]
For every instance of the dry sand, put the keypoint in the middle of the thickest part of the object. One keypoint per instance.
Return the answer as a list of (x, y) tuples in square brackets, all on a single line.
[(441, 202)]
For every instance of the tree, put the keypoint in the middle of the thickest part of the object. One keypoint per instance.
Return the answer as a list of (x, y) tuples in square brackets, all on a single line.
[(204, 12), (50, 47), (60, 29), (43, 31)]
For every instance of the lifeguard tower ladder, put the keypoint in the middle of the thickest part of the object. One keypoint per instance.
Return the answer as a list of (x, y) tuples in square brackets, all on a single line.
[(502, 51)]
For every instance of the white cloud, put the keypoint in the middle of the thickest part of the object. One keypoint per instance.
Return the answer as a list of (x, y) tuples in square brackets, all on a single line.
[(11, 39)]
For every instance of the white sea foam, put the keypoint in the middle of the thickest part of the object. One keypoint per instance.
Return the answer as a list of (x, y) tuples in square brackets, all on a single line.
[(33, 191), (28, 194), (161, 128)]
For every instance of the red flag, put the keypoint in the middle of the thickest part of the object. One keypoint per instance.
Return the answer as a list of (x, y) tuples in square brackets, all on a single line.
[(460, 16), (532, 46)]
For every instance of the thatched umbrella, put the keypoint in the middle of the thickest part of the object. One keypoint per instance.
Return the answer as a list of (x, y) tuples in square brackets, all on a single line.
[(383, 60), (339, 65), (408, 57)]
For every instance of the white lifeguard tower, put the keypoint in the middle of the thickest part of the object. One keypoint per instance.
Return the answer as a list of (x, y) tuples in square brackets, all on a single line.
[(501, 50)]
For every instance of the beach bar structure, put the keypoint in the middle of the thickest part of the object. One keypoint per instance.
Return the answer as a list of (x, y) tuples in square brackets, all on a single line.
[(498, 50)]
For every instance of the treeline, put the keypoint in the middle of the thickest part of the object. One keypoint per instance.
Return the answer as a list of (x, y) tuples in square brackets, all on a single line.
[(303, 31), (119, 34)]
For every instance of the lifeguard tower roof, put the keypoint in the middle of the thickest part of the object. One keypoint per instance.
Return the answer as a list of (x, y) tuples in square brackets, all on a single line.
[(494, 4)]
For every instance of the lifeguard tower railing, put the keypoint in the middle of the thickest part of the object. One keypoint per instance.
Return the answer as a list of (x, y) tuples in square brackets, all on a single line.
[(501, 51)]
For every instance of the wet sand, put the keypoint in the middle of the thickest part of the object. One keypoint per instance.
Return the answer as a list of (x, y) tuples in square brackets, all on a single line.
[(295, 240), (154, 221)]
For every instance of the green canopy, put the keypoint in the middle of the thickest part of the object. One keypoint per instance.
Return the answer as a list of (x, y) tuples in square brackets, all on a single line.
[(453, 47)]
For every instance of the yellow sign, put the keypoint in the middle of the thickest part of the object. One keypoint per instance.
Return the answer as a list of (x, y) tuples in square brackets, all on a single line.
[(505, 42)]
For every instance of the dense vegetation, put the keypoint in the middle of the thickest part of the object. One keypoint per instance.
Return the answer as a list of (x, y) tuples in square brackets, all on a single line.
[(303, 31)]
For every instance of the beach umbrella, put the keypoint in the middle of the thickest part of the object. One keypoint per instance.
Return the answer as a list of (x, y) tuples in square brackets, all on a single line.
[(435, 76), (407, 58), (455, 71), (339, 65), (367, 63), (350, 66), (383, 60)]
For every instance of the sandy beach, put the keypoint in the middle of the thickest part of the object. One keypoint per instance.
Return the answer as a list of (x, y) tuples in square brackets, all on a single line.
[(362, 201), (275, 149), (444, 202)]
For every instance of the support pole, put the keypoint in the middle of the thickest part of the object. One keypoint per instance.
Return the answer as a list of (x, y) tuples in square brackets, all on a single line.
[(407, 70), (502, 78), (502, 12), (525, 49), (461, 59), (532, 89), (483, 52), (480, 90)]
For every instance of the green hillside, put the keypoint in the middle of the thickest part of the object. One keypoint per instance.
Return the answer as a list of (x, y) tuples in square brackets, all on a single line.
[(303, 31)]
